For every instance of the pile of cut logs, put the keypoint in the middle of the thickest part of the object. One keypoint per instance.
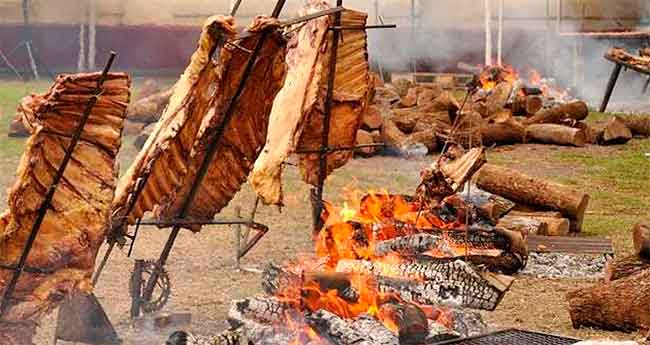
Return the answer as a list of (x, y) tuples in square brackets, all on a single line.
[(622, 301), (421, 118)]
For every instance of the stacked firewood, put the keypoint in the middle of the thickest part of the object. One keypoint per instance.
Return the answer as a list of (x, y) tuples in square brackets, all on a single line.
[(501, 109), (622, 301)]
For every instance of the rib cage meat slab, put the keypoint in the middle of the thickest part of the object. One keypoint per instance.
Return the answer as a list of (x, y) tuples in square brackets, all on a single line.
[(173, 154), (164, 157), (245, 134), (75, 226), (351, 90), (296, 121)]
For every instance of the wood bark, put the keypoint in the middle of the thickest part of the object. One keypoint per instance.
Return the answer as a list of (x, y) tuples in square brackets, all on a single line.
[(638, 124), (625, 267), (556, 134), (498, 98), (149, 109), (508, 132), (534, 191), (615, 132), (527, 105), (621, 305), (523, 225), (641, 239), (577, 111), (489, 205)]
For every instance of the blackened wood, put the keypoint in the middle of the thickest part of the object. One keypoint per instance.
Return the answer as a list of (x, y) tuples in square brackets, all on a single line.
[(407, 319), (610, 86), (344, 332)]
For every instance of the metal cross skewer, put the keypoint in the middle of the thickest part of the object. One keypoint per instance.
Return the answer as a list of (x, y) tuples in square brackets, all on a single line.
[(209, 155), (45, 204)]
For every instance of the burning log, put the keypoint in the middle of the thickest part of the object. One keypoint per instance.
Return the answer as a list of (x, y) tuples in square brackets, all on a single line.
[(432, 283), (615, 132), (342, 332), (641, 239), (407, 320), (639, 125), (258, 319), (619, 305), (408, 245), (523, 225), (556, 134), (577, 111), (624, 267), (149, 109), (530, 190)]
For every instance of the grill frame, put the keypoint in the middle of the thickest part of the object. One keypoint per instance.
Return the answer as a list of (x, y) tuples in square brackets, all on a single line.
[(524, 336)]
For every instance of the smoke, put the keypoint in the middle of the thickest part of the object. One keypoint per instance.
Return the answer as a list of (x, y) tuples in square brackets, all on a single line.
[(449, 32)]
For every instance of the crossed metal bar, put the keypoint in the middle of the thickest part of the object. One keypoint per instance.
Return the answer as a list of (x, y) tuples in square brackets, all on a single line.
[(19, 268)]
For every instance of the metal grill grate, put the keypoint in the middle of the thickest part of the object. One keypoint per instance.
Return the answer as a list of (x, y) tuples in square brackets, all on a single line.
[(513, 337)]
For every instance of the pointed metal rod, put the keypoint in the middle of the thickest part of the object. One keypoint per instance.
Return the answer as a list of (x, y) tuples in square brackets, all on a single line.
[(209, 154), (45, 205)]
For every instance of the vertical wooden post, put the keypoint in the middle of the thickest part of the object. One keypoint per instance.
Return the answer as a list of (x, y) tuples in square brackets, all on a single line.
[(488, 33), (237, 237)]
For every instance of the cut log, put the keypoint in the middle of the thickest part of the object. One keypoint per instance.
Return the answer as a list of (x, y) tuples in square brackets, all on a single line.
[(406, 320), (447, 283), (365, 138), (621, 305), (489, 205), (556, 134), (592, 132), (392, 136), (638, 124), (446, 176), (615, 132), (507, 132), (372, 119), (409, 120), (523, 225), (625, 267), (259, 320), (426, 95), (641, 239), (445, 102), (498, 98), (410, 99), (133, 128), (533, 191), (556, 224), (577, 111), (149, 109), (527, 105), (342, 332), (524, 211)]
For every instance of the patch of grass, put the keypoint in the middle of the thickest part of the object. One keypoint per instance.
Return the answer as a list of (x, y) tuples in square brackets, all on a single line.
[(619, 185)]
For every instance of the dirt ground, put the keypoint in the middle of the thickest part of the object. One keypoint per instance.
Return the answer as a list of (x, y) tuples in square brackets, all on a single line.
[(204, 281)]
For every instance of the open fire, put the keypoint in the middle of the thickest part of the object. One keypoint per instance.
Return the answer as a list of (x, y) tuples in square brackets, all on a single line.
[(390, 269)]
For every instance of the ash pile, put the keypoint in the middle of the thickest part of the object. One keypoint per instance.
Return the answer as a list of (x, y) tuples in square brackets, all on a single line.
[(390, 269)]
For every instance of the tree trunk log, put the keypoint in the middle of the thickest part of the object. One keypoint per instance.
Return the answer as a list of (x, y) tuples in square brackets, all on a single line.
[(529, 190), (365, 138), (498, 98), (489, 205), (575, 111), (150, 108), (621, 305), (523, 225), (625, 267), (638, 124), (616, 132), (372, 119), (641, 238), (508, 132), (527, 105), (556, 134)]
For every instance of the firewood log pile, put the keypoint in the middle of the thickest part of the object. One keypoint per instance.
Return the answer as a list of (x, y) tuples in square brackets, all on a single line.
[(504, 109), (622, 301), (396, 269)]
